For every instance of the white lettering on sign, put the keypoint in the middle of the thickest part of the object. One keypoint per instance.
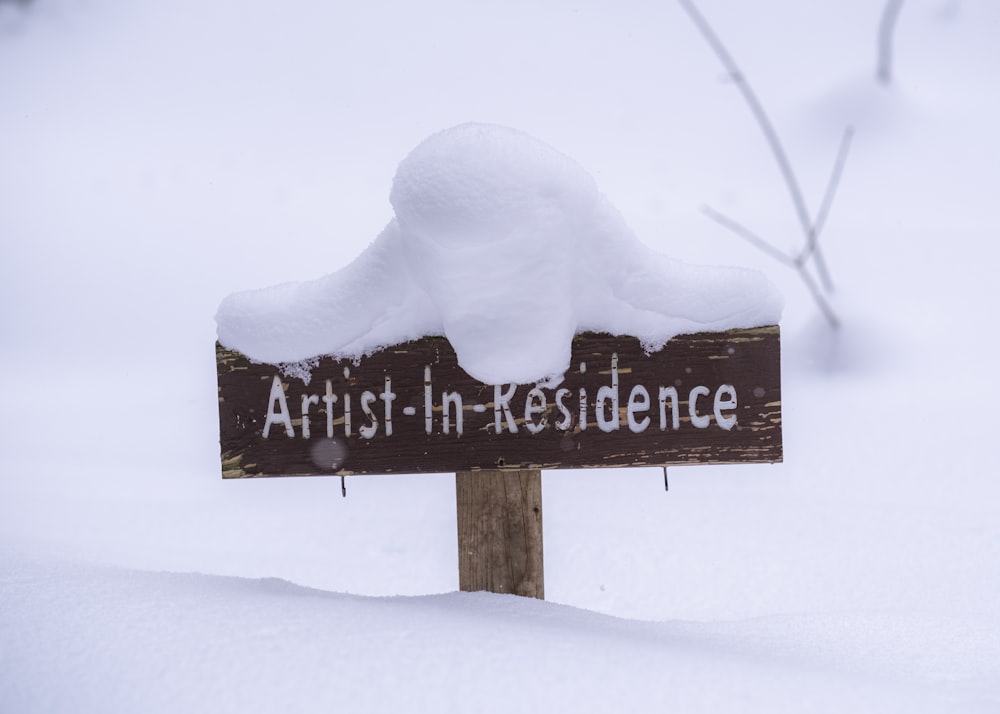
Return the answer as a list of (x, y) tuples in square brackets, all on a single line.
[(307, 400), (428, 402), (542, 410), (347, 415), (609, 394), (371, 428), (329, 399), (277, 399), (671, 393), (449, 400), (567, 418), (534, 405), (387, 396), (501, 403), (700, 421), (638, 402), (729, 421)]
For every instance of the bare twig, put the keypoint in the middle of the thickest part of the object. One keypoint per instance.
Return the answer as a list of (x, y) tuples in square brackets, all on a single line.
[(824, 207), (811, 227), (733, 70), (890, 13), (797, 262), (821, 301), (744, 232)]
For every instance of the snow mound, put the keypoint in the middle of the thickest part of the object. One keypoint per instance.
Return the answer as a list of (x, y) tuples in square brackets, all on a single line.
[(506, 247)]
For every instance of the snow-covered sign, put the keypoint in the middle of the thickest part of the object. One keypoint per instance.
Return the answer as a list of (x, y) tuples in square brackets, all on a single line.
[(505, 317), (704, 398)]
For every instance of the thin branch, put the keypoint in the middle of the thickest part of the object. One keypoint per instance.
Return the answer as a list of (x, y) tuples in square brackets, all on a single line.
[(799, 265), (890, 13), (745, 233), (811, 227), (759, 114), (824, 208), (817, 294)]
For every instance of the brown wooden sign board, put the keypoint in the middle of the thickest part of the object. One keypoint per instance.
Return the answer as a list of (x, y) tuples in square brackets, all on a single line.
[(703, 398)]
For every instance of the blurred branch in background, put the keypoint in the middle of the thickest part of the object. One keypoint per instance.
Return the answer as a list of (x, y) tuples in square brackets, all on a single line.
[(886, 27), (14, 8), (12, 14), (811, 226)]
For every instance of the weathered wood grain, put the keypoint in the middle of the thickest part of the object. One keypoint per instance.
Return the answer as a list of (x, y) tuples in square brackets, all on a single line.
[(500, 532), (749, 360)]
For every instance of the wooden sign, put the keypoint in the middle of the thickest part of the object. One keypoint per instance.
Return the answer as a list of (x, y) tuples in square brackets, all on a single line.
[(704, 398)]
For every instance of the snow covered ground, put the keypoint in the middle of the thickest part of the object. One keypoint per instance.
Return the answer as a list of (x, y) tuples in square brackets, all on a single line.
[(157, 157)]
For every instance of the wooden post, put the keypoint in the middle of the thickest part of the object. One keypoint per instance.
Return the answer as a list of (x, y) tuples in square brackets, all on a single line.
[(500, 531)]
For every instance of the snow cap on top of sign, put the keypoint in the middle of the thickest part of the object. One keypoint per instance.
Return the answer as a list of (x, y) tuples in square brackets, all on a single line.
[(506, 247)]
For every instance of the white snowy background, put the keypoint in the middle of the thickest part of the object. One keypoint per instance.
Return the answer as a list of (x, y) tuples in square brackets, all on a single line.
[(155, 157)]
